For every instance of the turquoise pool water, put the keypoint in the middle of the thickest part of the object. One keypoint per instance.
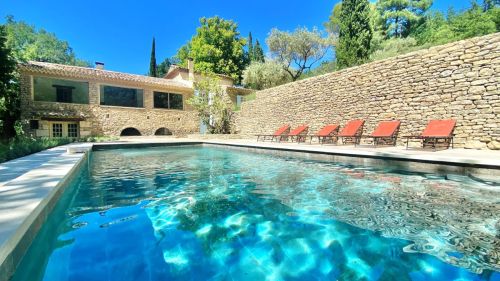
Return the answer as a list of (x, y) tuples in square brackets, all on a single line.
[(204, 213)]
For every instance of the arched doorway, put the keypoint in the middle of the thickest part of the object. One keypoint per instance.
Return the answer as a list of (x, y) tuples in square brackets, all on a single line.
[(130, 132), (163, 132)]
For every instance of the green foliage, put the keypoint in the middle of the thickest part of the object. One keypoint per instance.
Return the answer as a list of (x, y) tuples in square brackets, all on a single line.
[(393, 47), (333, 23), (22, 146), (162, 68), (152, 61), (402, 16), (258, 55), (251, 55), (28, 43), (472, 22), (216, 48), (255, 53), (212, 104), (263, 75), (9, 89), (297, 51), (355, 33), (323, 68)]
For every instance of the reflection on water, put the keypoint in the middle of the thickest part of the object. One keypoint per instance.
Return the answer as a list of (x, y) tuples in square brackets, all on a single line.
[(191, 213)]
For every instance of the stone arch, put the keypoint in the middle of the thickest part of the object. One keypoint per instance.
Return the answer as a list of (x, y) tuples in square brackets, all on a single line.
[(130, 131), (163, 132)]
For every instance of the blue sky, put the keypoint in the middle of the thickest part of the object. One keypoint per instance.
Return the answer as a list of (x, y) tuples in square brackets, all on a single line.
[(119, 32)]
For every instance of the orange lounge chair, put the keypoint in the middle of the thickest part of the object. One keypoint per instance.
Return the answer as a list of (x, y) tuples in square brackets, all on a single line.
[(352, 131), (280, 133), (386, 133), (298, 134), (329, 132), (436, 131)]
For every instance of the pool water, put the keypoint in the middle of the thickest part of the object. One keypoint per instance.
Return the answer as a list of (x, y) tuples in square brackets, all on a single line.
[(210, 213)]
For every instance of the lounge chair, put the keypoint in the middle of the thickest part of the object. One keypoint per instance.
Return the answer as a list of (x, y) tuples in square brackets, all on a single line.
[(386, 133), (298, 134), (352, 131), (280, 133), (329, 132), (437, 133)]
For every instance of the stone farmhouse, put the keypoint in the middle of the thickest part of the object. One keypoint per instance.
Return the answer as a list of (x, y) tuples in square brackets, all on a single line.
[(70, 101)]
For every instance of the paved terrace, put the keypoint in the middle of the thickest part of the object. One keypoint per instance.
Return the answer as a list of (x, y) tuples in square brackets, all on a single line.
[(30, 186)]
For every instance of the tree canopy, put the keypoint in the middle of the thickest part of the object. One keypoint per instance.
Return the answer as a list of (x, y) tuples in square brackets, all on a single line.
[(400, 16), (212, 105), (355, 33), (152, 61), (216, 48), (297, 51), (263, 75), (29, 43), (9, 102)]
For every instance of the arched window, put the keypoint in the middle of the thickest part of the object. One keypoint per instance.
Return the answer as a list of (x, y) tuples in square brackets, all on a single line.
[(163, 132), (130, 132)]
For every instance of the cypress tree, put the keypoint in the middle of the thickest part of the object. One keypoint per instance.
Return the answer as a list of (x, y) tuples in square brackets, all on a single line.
[(9, 94), (251, 54), (355, 33), (258, 52), (152, 63)]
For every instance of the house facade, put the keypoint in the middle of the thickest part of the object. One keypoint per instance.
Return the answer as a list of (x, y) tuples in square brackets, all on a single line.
[(70, 101)]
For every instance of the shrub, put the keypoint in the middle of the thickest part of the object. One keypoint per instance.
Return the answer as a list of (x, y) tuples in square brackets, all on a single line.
[(263, 75), (22, 146)]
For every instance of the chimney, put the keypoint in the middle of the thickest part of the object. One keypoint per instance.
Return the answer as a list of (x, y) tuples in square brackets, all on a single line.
[(99, 65), (191, 68)]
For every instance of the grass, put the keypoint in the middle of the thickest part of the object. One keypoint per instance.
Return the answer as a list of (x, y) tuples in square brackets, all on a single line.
[(22, 146)]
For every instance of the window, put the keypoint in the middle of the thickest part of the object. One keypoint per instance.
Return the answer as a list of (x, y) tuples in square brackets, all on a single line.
[(72, 130), (118, 96), (175, 101), (56, 130), (168, 100), (57, 90), (63, 93), (160, 100)]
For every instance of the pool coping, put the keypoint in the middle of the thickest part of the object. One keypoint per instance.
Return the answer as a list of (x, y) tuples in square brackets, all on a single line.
[(13, 248)]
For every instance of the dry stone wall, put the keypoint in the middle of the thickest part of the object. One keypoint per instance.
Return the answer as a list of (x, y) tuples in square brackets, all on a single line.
[(460, 80)]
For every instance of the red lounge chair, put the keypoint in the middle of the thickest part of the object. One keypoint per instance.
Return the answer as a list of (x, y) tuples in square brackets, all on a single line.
[(386, 133), (298, 134), (352, 131), (329, 132), (436, 131), (280, 133)]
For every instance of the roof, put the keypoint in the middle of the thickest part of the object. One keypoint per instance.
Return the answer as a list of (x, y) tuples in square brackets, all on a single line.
[(174, 69), (79, 72)]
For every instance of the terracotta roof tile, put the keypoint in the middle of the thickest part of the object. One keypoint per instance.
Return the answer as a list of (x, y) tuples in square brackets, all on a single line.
[(98, 74)]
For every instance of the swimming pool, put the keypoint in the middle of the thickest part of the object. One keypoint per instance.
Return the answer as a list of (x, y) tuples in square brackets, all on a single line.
[(207, 213)]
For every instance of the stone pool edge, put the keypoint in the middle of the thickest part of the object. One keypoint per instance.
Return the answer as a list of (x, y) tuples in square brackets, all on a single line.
[(15, 247)]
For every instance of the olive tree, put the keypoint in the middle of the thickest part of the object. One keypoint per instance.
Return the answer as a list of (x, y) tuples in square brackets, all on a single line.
[(212, 105), (299, 50), (263, 75)]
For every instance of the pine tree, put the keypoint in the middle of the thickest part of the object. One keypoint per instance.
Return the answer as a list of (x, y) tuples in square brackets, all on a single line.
[(402, 16), (9, 94), (258, 52), (152, 63), (251, 53), (355, 33)]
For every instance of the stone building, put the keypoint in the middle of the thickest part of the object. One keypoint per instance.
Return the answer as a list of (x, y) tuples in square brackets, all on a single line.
[(70, 101)]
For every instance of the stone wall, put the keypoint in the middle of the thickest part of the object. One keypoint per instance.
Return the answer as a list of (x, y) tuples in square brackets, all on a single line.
[(100, 120), (460, 80)]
